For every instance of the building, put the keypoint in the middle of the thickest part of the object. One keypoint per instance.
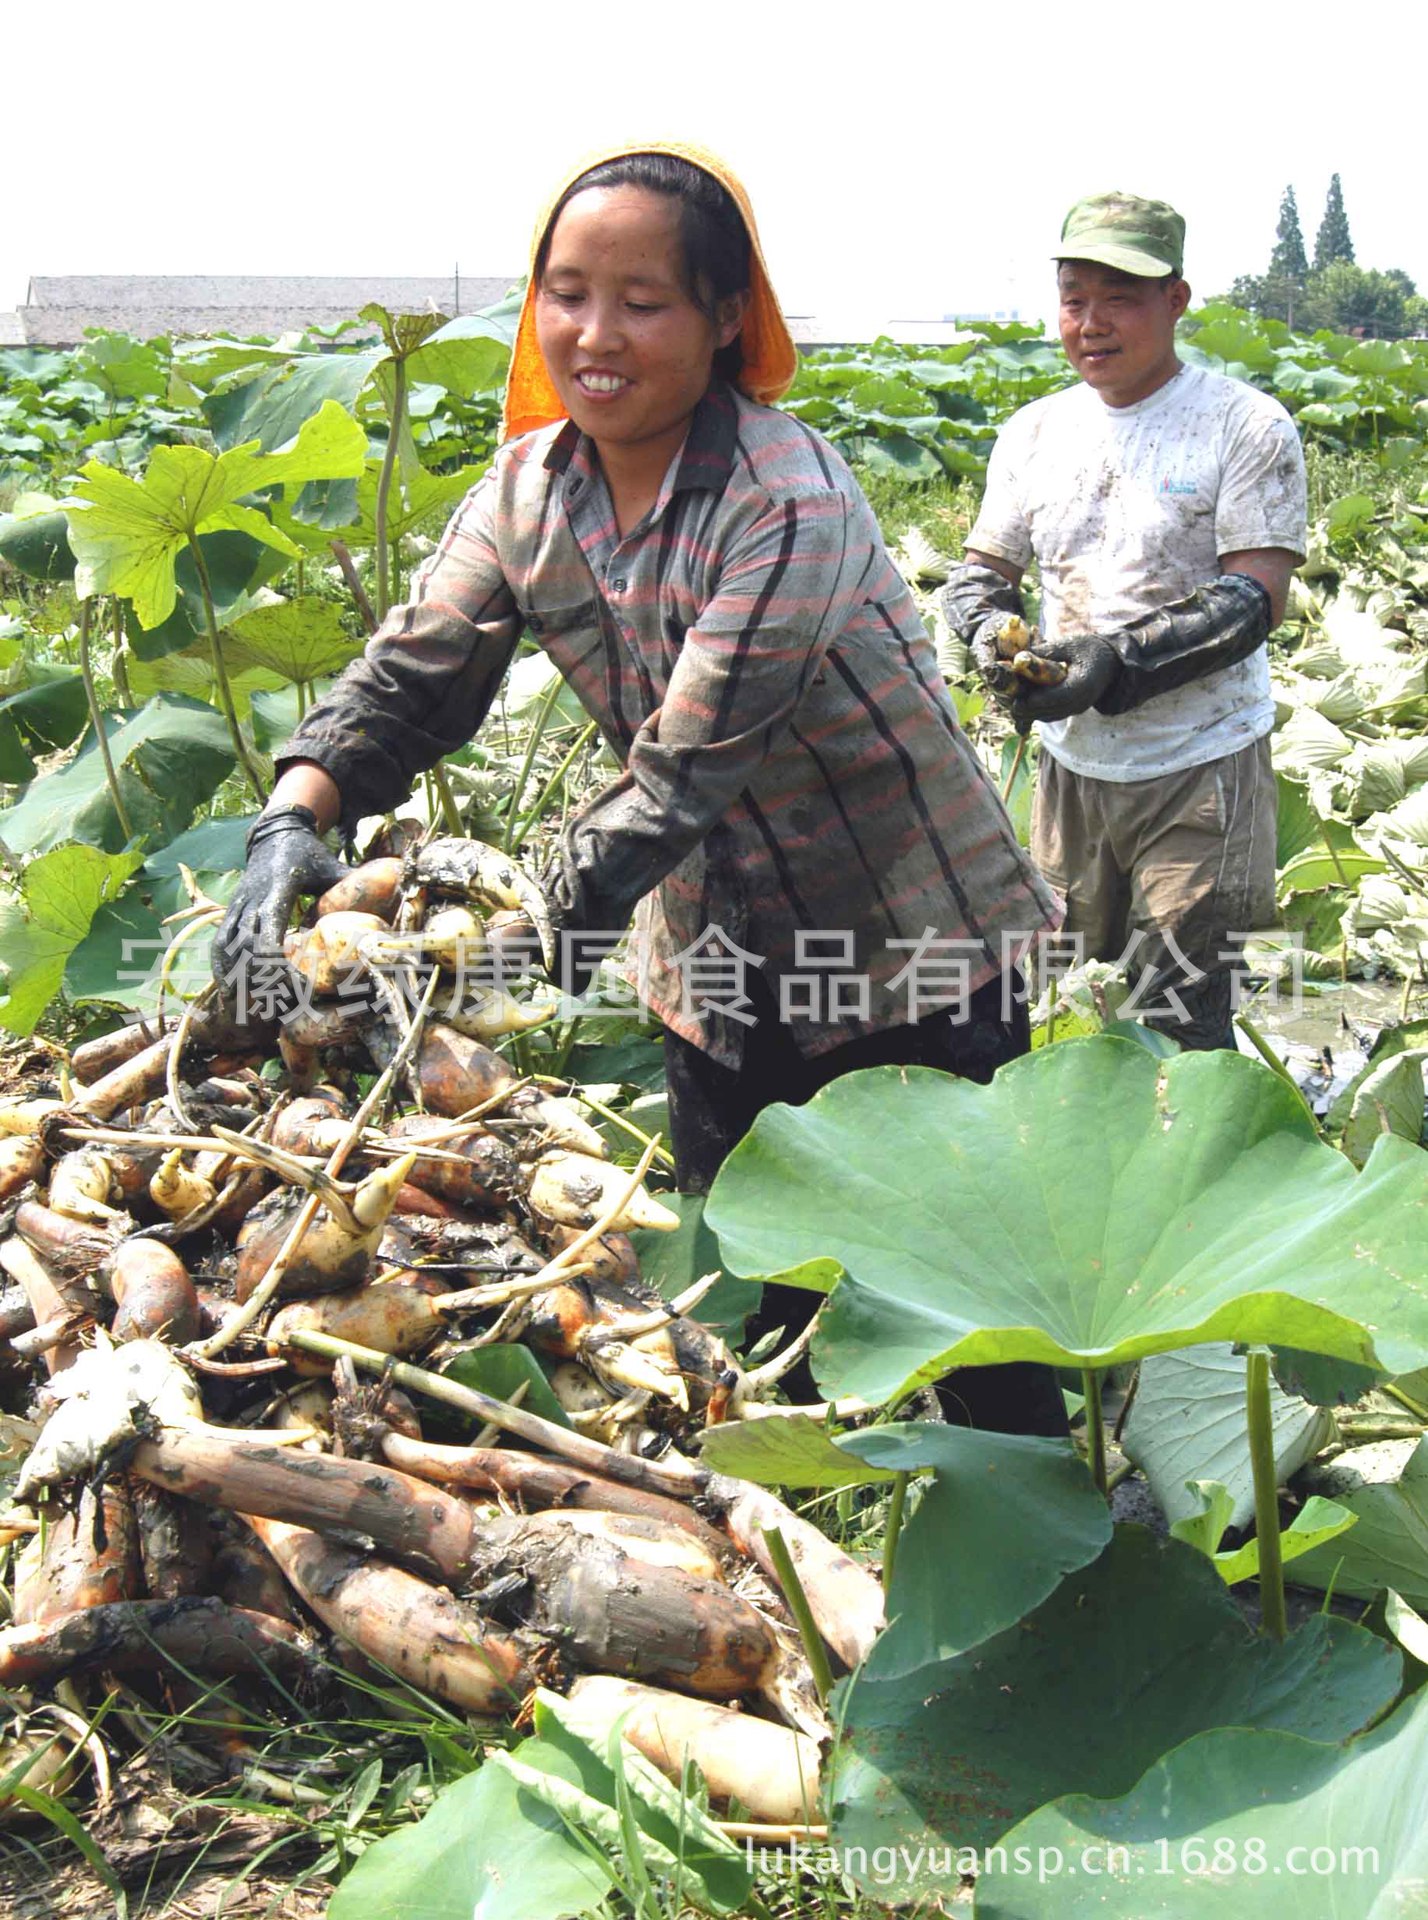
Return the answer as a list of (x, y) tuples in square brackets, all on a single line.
[(60, 310)]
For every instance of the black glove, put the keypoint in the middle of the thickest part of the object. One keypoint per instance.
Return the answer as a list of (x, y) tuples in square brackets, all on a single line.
[(1091, 668), (1219, 624), (1214, 627), (976, 603), (286, 859)]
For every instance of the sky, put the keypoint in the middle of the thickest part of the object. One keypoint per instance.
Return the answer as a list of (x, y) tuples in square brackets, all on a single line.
[(904, 161)]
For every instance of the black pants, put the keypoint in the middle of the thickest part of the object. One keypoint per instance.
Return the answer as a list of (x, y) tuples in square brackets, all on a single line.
[(712, 1107)]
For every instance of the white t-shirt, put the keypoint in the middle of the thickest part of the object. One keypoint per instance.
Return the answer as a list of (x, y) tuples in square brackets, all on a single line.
[(1125, 509)]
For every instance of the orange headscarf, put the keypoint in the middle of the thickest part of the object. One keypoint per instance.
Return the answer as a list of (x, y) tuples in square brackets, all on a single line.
[(770, 357)]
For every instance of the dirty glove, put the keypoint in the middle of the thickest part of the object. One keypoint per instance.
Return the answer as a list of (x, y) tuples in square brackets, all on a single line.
[(1091, 668), (976, 603), (286, 860), (1219, 624)]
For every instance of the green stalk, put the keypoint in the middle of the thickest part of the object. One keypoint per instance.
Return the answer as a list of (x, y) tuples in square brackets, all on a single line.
[(1266, 1492), (1095, 1428), (582, 741), (892, 1533), (803, 1614), (384, 486), (538, 726), (220, 675), (1052, 998), (446, 800), (120, 669), (96, 720), (1271, 1059)]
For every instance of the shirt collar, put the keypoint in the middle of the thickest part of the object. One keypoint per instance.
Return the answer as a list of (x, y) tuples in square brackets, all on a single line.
[(707, 457)]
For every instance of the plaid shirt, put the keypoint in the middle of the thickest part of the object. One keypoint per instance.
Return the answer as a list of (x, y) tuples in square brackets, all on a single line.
[(793, 764)]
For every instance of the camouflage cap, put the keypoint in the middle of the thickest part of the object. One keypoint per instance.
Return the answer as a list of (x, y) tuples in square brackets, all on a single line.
[(1144, 237)]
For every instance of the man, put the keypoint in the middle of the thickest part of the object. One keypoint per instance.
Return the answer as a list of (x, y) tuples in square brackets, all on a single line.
[(1164, 506)]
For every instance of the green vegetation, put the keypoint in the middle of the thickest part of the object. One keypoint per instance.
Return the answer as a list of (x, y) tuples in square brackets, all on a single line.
[(198, 536)]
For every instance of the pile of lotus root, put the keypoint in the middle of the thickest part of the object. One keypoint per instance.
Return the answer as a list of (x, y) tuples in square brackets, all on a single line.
[(219, 1266)]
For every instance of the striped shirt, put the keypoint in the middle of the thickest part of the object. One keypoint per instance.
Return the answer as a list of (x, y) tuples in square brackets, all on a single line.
[(794, 773)]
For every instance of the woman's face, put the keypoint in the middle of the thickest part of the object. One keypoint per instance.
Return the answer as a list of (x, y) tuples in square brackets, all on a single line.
[(629, 352)]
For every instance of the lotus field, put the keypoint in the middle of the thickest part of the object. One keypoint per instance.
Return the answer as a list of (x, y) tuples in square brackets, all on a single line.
[(395, 1518)]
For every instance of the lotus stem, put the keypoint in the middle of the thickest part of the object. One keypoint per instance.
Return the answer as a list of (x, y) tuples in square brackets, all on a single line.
[(1266, 1492), (348, 568), (892, 1533), (542, 799), (1272, 1060), (118, 668), (1095, 1429), (1017, 759), (446, 800), (96, 720), (384, 486), (803, 1614), (1052, 1005), (220, 675), (510, 841)]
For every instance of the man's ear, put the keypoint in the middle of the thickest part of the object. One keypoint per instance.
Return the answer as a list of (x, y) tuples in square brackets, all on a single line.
[(1179, 295)]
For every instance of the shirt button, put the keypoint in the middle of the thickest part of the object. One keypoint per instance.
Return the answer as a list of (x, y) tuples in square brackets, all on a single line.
[(574, 486), (617, 586)]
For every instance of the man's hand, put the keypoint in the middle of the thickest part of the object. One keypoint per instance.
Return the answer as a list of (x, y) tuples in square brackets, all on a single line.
[(286, 860), (1091, 667), (977, 602)]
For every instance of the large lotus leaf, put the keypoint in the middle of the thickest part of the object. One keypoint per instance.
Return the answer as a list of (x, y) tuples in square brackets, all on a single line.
[(215, 846), (169, 758), (1127, 1659), (487, 1850), (60, 893), (237, 566), (47, 714), (120, 959), (37, 544), (126, 368), (1011, 1513), (1319, 1832), (1090, 1206), (126, 533), (191, 673), (468, 355), (299, 640), (1187, 1422), (1386, 1486), (273, 407)]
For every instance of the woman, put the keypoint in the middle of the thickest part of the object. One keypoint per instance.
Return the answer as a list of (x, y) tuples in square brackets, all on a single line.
[(708, 577)]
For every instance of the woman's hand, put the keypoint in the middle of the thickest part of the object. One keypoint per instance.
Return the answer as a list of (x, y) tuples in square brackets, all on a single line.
[(286, 860)]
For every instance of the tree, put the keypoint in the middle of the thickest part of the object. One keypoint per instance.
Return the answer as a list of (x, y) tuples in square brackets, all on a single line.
[(1333, 241), (1361, 300), (1289, 260)]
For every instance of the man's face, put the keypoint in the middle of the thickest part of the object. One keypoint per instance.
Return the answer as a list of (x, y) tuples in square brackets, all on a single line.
[(1118, 329)]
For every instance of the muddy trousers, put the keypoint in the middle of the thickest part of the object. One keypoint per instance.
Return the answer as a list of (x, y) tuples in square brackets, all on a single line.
[(712, 1107), (1166, 875)]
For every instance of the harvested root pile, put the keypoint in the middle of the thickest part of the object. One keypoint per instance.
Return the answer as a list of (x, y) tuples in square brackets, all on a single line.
[(218, 1264)]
